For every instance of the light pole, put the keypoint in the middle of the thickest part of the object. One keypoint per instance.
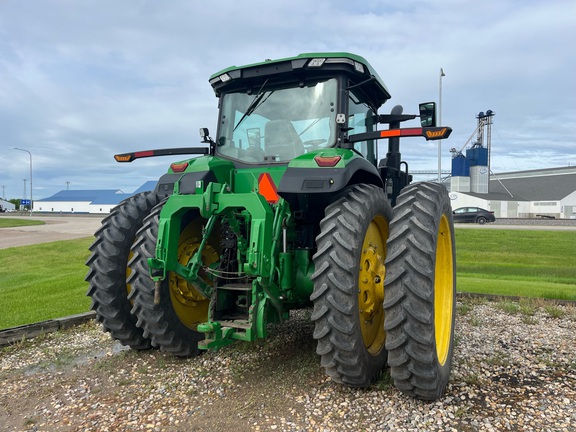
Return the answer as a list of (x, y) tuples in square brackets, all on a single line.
[(31, 199), (440, 124)]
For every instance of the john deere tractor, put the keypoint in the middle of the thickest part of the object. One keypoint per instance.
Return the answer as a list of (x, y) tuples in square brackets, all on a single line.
[(289, 207)]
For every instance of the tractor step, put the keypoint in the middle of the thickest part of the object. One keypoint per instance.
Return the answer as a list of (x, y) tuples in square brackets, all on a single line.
[(222, 333), (236, 287), (237, 324)]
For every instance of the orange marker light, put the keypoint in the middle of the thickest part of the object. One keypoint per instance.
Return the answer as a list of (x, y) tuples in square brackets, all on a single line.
[(435, 133), (123, 157), (267, 188)]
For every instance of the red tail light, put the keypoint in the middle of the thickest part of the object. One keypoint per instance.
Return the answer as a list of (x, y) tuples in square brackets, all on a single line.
[(327, 161), (179, 167)]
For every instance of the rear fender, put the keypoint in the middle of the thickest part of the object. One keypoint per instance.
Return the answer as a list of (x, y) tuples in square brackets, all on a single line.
[(305, 184)]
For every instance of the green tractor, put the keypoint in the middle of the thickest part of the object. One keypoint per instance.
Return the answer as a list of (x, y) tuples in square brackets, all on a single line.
[(290, 207)]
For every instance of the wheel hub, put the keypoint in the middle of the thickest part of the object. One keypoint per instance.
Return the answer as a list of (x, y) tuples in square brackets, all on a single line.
[(190, 306), (371, 289)]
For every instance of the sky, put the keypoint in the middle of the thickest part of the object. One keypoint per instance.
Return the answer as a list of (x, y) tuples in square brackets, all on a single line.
[(82, 80)]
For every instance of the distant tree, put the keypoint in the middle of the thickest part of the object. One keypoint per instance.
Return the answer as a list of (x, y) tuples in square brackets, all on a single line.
[(16, 203)]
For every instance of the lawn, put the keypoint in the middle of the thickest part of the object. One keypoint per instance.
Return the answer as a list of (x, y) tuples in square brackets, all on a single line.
[(46, 281), (10, 223), (526, 263), (43, 281)]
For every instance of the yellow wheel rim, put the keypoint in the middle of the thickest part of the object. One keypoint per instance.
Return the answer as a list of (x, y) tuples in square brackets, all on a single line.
[(190, 306), (443, 291), (371, 285)]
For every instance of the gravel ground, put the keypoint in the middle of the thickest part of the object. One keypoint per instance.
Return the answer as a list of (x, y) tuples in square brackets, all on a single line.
[(514, 369)]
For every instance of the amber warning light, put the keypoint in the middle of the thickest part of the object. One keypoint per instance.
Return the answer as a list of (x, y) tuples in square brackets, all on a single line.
[(123, 158), (129, 157), (437, 133)]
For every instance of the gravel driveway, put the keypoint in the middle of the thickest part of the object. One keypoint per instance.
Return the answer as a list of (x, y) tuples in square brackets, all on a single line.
[(514, 369)]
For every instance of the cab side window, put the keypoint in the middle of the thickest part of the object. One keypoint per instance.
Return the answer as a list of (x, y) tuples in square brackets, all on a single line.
[(360, 120)]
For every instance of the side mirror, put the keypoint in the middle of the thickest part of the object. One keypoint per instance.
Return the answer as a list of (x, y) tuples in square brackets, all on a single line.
[(205, 135), (428, 114)]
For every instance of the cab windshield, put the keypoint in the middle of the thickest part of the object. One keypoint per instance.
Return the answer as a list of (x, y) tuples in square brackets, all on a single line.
[(277, 124)]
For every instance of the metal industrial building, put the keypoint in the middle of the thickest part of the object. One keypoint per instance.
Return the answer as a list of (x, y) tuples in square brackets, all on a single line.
[(525, 194)]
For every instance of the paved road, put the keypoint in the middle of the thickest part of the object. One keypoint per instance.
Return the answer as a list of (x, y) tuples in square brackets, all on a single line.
[(55, 228)]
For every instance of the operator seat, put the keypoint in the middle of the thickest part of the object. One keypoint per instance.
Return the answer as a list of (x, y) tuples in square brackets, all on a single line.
[(281, 140)]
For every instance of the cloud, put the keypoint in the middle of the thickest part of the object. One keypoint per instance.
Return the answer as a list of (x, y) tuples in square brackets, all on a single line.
[(80, 81)]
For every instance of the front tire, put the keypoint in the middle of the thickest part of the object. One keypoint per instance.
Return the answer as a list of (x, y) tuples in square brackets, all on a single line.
[(108, 272), (420, 291), (348, 281)]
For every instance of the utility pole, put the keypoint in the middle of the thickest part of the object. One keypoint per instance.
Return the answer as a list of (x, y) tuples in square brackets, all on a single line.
[(442, 74), (31, 199)]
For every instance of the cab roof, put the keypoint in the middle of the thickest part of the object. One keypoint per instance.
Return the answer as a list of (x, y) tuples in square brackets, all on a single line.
[(302, 66)]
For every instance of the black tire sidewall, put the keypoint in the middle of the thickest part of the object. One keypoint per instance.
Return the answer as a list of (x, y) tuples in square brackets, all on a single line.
[(349, 360), (409, 291), (108, 278), (159, 321)]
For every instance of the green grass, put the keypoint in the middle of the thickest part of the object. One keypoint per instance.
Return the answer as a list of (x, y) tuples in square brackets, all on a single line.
[(522, 263), (10, 223), (47, 281), (43, 281)]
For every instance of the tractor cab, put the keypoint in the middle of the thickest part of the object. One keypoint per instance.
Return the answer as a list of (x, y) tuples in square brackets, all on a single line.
[(275, 111)]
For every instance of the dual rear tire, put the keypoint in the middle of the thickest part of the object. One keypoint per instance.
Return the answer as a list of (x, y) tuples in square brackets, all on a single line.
[(108, 269), (348, 281), (384, 288), (122, 291)]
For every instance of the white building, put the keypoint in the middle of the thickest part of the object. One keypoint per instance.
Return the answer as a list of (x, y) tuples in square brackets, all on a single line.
[(526, 194), (7, 205), (86, 201)]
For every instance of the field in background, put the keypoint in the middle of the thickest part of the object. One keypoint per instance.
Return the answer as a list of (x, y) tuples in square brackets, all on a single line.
[(46, 281)]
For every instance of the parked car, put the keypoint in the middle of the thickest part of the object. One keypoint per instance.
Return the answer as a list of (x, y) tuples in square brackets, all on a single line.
[(473, 214)]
